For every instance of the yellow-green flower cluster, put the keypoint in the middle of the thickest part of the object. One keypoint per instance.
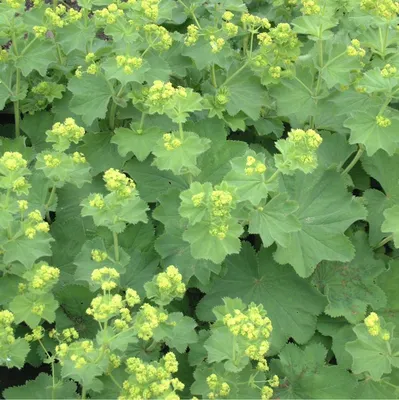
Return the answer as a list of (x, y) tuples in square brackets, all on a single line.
[(68, 335), (36, 224), (98, 255), (13, 161), (386, 9), (20, 186), (148, 381), (65, 133), (122, 323), (37, 334), (158, 37), (79, 352), (54, 17), (78, 158), (217, 44), (283, 36), (106, 277), (6, 331), (3, 55), (129, 64), (218, 387), (132, 298), (97, 201), (103, 308), (253, 166), (310, 7), (275, 72), (267, 393), (264, 39), (192, 35), (44, 278), (388, 71), (354, 49), (15, 3), (220, 207), (108, 15), (228, 16), (160, 93), (147, 319), (39, 31), (255, 327), (171, 142), (150, 8), (230, 29), (51, 161), (253, 21), (119, 183), (382, 121), (22, 205), (373, 325), (38, 309)]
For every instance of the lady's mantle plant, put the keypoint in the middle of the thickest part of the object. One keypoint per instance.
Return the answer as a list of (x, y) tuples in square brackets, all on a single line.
[(199, 199)]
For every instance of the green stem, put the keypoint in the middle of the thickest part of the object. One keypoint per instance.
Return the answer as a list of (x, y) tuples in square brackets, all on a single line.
[(49, 201), (112, 114), (321, 66), (143, 115), (359, 153), (273, 177), (214, 83), (245, 41), (83, 393), (17, 114), (191, 12), (151, 347), (52, 369), (181, 131), (55, 4), (383, 242), (236, 73), (116, 246), (383, 40), (115, 381), (251, 46)]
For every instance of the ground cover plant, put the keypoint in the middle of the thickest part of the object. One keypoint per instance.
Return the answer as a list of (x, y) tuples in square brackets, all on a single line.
[(199, 199)]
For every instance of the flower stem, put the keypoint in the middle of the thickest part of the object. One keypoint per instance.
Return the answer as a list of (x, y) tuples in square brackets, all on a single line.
[(143, 115), (116, 246), (359, 153), (83, 393), (115, 381), (112, 113), (181, 130), (236, 73), (49, 201), (214, 83), (383, 242)]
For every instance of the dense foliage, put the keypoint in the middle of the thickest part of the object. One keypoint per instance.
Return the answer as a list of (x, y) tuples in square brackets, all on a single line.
[(199, 198)]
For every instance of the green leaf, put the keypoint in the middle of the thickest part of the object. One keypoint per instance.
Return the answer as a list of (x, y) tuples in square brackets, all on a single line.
[(260, 280), (16, 355), (22, 306), (26, 250), (183, 159), (42, 388), (374, 82), (245, 94), (349, 287), (325, 211), (113, 71), (177, 332), (391, 223), (151, 181), (223, 346), (140, 142), (100, 153), (76, 36), (275, 221), (91, 95), (307, 376), (206, 246), (37, 57), (364, 130), (252, 187), (314, 25), (372, 354)]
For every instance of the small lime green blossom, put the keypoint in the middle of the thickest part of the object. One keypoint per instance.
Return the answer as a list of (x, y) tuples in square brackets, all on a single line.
[(15, 3), (192, 35), (150, 8), (98, 255), (80, 353), (310, 7), (104, 307), (44, 278), (65, 133), (217, 44), (218, 387), (106, 277), (253, 166), (129, 64), (374, 328), (92, 69), (388, 71), (255, 22), (147, 319), (386, 9), (119, 183), (155, 380), (6, 331), (354, 49), (22, 205), (228, 16), (67, 335), (382, 121), (3, 55), (13, 161), (267, 393), (108, 15), (171, 142), (37, 334), (97, 201), (132, 298), (39, 31), (158, 36)]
